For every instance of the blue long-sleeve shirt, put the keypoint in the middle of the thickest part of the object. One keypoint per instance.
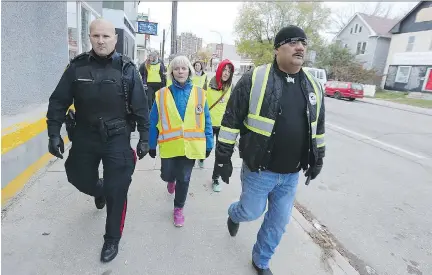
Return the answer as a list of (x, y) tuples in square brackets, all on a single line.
[(181, 97)]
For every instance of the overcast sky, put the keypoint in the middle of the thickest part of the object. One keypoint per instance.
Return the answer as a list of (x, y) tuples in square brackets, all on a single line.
[(201, 18)]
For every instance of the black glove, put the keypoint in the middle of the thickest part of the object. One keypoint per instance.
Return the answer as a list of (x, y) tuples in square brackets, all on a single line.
[(224, 170), (152, 153), (208, 153), (142, 148), (56, 146), (314, 171)]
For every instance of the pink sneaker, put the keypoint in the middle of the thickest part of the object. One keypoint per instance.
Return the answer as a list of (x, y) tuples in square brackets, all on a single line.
[(171, 187), (178, 217)]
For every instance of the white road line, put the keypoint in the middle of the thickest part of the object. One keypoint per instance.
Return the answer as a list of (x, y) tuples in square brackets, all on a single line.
[(376, 141)]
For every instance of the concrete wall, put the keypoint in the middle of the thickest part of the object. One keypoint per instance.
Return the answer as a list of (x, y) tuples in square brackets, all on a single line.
[(34, 54), (381, 52)]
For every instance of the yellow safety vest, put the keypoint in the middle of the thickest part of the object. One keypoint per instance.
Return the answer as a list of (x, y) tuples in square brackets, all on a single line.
[(178, 137), (263, 125), (199, 80), (219, 109), (153, 75), (169, 81)]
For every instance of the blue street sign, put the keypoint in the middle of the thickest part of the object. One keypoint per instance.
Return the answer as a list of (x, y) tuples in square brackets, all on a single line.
[(145, 27)]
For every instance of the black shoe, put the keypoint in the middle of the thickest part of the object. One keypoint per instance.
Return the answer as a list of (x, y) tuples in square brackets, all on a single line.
[(232, 227), (261, 271), (109, 251), (100, 201)]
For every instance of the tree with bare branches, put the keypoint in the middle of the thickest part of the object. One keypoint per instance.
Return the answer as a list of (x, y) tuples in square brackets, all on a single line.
[(258, 23), (342, 16)]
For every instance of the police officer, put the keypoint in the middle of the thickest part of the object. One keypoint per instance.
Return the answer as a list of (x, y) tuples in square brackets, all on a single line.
[(108, 94)]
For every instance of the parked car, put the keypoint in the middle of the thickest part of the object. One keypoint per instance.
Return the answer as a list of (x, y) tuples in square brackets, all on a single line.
[(339, 90)]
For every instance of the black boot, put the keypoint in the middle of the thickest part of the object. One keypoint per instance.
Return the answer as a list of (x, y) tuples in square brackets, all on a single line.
[(232, 227), (261, 271), (109, 250), (100, 201)]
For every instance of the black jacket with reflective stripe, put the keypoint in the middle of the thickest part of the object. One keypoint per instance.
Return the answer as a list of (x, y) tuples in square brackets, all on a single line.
[(255, 149)]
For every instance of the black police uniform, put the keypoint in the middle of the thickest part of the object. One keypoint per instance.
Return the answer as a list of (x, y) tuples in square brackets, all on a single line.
[(102, 132)]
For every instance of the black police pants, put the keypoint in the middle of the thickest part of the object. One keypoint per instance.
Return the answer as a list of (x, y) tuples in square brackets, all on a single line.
[(152, 88), (118, 162)]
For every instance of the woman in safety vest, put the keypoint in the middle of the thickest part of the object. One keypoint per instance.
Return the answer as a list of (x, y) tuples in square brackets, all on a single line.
[(153, 76), (180, 124), (200, 77), (218, 93)]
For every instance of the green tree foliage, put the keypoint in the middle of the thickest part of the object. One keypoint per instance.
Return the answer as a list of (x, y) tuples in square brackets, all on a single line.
[(341, 65), (258, 23)]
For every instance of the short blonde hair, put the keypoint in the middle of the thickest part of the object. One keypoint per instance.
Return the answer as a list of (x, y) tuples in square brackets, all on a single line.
[(180, 60)]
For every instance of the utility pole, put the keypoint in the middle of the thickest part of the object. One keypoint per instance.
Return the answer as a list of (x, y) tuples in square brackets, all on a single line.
[(163, 45), (174, 27)]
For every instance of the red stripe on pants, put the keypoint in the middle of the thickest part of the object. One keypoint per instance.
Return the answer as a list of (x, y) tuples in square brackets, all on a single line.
[(134, 156), (123, 217)]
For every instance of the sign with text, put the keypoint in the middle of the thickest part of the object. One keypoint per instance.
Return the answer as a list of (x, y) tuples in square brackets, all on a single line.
[(145, 27)]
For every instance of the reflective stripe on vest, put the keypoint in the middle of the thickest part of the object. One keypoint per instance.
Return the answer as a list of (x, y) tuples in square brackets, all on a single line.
[(199, 80), (319, 96), (263, 125), (153, 75), (254, 121), (228, 135), (179, 137)]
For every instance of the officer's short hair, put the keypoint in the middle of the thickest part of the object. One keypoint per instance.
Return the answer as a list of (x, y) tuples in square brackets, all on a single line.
[(180, 60)]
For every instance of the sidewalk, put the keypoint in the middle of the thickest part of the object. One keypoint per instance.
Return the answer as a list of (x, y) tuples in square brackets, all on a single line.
[(53, 229), (389, 104)]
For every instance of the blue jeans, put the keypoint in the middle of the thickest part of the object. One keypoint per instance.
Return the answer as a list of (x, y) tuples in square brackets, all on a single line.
[(178, 170), (257, 188)]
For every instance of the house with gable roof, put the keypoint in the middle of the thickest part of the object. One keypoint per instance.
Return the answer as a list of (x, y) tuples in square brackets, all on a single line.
[(368, 38)]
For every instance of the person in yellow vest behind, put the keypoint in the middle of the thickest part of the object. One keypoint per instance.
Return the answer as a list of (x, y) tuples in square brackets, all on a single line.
[(153, 76), (200, 77), (180, 124), (218, 92)]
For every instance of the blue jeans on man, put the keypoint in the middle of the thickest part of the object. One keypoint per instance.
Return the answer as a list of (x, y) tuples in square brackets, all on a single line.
[(258, 188)]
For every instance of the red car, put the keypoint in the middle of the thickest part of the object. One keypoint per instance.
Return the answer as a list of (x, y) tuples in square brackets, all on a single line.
[(339, 90)]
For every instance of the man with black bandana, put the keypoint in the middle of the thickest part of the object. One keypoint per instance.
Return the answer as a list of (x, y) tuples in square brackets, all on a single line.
[(278, 110), (109, 99)]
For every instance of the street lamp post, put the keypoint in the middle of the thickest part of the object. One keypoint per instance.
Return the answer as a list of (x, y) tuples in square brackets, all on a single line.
[(221, 43)]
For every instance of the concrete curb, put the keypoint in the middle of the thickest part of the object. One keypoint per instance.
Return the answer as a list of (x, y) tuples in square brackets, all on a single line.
[(398, 106), (336, 261)]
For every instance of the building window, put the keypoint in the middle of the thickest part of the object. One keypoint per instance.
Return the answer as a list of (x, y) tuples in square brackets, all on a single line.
[(355, 30), (403, 73), (72, 8), (85, 24), (126, 46), (410, 44), (351, 30), (361, 48), (360, 29)]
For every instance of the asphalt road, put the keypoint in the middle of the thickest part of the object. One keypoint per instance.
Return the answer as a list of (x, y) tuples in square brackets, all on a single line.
[(375, 191)]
